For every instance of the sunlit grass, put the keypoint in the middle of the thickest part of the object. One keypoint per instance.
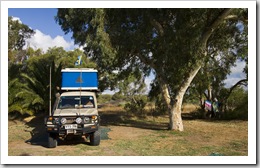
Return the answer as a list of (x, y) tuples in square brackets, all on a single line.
[(144, 136)]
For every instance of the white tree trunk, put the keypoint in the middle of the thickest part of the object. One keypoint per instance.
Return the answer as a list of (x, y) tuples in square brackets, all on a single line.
[(209, 93), (167, 100), (174, 108)]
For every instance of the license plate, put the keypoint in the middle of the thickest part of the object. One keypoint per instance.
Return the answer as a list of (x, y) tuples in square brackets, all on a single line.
[(71, 126)]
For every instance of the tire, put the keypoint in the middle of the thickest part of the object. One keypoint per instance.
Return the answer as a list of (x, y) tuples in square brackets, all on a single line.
[(52, 141), (95, 138)]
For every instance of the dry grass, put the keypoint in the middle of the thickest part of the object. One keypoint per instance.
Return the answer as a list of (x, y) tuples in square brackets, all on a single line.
[(135, 136), (187, 108)]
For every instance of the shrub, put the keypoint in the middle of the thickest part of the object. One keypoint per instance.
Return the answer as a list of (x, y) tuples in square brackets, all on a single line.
[(104, 98), (136, 105), (237, 105), (118, 96)]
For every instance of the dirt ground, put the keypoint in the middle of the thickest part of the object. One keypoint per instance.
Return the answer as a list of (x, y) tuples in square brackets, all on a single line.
[(33, 143), (132, 136)]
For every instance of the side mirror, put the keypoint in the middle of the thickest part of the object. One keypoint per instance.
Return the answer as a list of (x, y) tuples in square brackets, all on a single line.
[(57, 95)]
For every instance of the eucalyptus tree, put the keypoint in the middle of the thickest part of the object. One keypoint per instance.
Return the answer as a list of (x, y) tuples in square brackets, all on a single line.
[(173, 43), (229, 45), (68, 60), (17, 35)]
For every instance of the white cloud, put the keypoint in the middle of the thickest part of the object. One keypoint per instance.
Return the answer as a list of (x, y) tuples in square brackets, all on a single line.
[(43, 41), (236, 74), (17, 19), (108, 92), (240, 65), (148, 81)]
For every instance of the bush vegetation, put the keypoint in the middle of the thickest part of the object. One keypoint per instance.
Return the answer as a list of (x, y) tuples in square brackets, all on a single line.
[(237, 105)]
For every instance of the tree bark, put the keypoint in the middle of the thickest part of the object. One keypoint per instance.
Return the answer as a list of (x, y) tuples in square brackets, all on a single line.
[(209, 93), (176, 109), (167, 100)]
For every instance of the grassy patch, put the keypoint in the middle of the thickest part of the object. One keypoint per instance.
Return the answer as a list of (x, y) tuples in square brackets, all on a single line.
[(146, 136)]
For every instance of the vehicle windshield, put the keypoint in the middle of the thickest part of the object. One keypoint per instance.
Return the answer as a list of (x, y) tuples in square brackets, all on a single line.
[(76, 102)]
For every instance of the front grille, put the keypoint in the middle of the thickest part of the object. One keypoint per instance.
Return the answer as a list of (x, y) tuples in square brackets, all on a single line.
[(71, 121)]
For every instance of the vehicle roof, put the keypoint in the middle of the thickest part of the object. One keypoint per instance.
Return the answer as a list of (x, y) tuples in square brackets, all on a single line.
[(79, 70), (78, 93)]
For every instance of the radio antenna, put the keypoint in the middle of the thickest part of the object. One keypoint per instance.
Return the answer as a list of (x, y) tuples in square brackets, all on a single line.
[(50, 94)]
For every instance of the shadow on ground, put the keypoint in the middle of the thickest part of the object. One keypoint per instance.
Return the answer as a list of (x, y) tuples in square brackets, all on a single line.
[(117, 119), (39, 136)]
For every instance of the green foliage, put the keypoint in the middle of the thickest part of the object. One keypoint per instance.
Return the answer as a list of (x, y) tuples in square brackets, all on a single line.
[(34, 92), (132, 84), (225, 46), (118, 96), (165, 40), (160, 106), (28, 83), (190, 98), (104, 98), (67, 59), (16, 104), (29, 71), (237, 105), (84, 24), (137, 105), (17, 34)]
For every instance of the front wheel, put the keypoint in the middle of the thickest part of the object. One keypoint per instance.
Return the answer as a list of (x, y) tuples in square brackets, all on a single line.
[(52, 141), (95, 138)]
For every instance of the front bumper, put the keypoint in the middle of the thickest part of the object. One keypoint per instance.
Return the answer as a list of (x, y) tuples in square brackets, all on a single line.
[(54, 125), (81, 129)]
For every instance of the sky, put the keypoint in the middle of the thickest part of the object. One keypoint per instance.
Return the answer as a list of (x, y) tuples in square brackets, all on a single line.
[(49, 34)]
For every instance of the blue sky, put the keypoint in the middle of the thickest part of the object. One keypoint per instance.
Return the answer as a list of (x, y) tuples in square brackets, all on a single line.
[(49, 34), (41, 19)]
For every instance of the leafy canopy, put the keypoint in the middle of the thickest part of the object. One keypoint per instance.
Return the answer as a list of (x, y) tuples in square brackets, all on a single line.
[(164, 40)]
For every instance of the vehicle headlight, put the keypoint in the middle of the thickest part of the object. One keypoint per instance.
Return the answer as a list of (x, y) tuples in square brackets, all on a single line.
[(94, 119), (55, 121), (86, 120), (78, 120), (63, 120)]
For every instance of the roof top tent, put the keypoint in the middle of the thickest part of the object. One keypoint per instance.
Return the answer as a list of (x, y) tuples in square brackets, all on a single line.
[(79, 79)]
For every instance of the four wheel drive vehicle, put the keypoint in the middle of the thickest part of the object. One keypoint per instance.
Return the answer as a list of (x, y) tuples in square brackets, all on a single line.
[(74, 114), (75, 111)]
